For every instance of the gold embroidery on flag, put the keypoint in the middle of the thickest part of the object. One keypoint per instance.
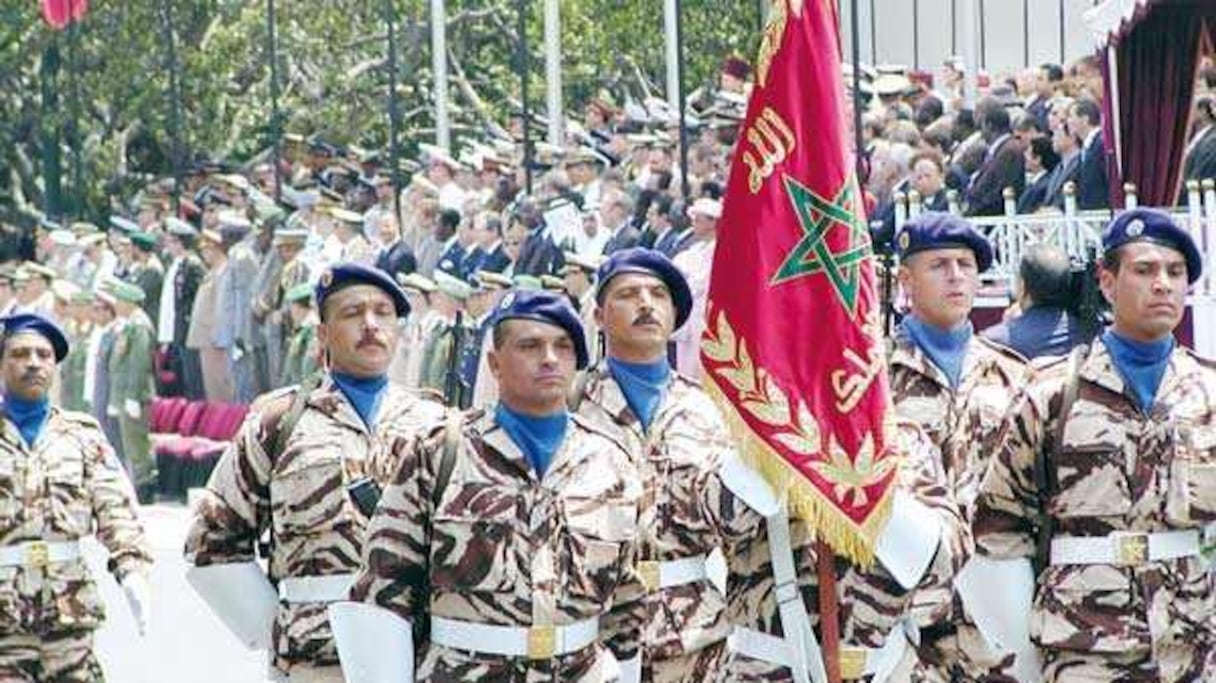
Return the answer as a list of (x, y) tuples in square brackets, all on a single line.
[(774, 31), (773, 141), (849, 388)]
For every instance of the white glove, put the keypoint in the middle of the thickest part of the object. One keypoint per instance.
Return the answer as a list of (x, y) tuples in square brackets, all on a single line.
[(131, 406), (111, 410), (139, 598), (631, 670), (237, 353)]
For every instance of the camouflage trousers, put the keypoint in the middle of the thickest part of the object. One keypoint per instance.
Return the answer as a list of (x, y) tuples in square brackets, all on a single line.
[(738, 668), (308, 674), (1178, 663), (693, 667), (64, 657), (963, 655)]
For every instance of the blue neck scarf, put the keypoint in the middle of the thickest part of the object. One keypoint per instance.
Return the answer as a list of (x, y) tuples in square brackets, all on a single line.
[(644, 386), (946, 348), (364, 393), (29, 416), (537, 437), (1142, 364)]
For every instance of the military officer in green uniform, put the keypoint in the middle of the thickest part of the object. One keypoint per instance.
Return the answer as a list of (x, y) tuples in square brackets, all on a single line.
[(131, 382)]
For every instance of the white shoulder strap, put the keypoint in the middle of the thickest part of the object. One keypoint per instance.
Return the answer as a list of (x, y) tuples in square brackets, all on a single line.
[(795, 622)]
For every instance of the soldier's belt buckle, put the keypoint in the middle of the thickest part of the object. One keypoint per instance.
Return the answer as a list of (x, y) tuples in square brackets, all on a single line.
[(37, 554), (648, 571), (852, 663), (542, 642), (1131, 548)]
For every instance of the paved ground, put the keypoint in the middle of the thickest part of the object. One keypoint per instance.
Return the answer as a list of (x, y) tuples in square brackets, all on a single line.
[(186, 644)]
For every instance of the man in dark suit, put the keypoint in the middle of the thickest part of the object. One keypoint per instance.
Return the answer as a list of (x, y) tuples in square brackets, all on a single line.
[(397, 257), (1093, 185), (1068, 149), (1046, 81), (616, 210), (490, 255), (1003, 166), (538, 255), (1200, 159), (1041, 160), (929, 180), (175, 307)]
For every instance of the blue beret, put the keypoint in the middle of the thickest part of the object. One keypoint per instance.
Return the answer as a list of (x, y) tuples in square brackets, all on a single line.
[(1151, 225), (344, 275), (651, 262), (941, 230), (32, 322), (546, 307)]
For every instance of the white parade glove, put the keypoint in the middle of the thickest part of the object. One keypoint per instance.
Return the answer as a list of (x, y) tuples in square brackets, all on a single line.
[(111, 410), (131, 406), (139, 598), (237, 353)]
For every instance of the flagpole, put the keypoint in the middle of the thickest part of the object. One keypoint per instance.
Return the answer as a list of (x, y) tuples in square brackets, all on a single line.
[(680, 86), (73, 62), (276, 125), (858, 141), (174, 101)]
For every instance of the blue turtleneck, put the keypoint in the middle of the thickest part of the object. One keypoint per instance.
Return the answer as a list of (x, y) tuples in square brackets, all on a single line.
[(538, 437), (946, 348), (644, 385), (1141, 364), (29, 416), (364, 393)]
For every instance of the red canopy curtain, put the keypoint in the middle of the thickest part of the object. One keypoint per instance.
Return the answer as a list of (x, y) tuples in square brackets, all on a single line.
[(1155, 67)]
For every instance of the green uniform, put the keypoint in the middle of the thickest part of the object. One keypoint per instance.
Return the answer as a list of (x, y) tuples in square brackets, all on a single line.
[(131, 391), (301, 358)]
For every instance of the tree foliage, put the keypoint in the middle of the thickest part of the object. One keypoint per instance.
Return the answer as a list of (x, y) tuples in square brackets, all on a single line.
[(90, 110)]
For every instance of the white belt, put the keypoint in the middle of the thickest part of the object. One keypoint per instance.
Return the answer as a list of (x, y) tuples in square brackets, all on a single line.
[(1126, 548), (38, 553), (533, 642), (855, 662), (330, 588), (663, 575)]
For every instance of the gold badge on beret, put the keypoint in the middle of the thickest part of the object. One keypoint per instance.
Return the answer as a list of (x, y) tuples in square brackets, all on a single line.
[(904, 240), (1135, 228), (327, 279), (508, 301)]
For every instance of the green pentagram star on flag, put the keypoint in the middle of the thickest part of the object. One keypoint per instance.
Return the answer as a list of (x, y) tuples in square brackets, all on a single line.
[(816, 217)]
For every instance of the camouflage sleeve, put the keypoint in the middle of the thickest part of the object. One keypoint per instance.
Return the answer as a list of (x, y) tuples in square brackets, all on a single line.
[(395, 573), (1007, 506), (114, 511), (235, 506), (622, 626)]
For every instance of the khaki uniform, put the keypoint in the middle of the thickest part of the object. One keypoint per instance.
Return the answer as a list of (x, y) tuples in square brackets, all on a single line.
[(66, 486), (498, 546), (131, 380), (873, 606), (963, 424), (686, 627), (1117, 469), (300, 497)]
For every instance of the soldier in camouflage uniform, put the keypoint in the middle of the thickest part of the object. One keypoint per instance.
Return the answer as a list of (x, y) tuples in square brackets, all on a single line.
[(59, 482), (516, 559), (295, 486), (875, 603), (132, 382), (674, 433), (957, 387), (1120, 491)]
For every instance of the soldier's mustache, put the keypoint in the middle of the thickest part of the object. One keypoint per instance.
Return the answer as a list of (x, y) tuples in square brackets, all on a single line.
[(646, 319), (369, 341)]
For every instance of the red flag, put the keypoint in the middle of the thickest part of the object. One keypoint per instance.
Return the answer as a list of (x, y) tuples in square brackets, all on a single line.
[(793, 341), (60, 13)]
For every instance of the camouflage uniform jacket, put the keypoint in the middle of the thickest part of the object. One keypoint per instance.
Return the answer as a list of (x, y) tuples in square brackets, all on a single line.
[(300, 497), (962, 422), (872, 604), (66, 486), (500, 546), (676, 459), (1118, 468)]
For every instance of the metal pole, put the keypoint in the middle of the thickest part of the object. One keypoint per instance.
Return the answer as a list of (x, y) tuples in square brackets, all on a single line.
[(393, 115), (439, 65), (915, 34), (953, 27), (1061, 31), (522, 17), (276, 119), (671, 43), (174, 100), (858, 141), (1026, 33), (680, 88), (553, 70), (983, 45)]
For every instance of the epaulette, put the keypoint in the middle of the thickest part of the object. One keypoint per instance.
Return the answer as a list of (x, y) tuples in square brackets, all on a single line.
[(1004, 351), (80, 418)]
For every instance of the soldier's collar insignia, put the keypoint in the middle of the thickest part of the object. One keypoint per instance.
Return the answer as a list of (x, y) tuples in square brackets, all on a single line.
[(1135, 228)]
